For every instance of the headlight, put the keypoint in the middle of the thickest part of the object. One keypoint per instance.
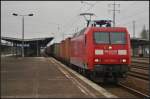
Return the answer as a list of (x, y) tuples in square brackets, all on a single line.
[(97, 60), (122, 52), (99, 52), (124, 60)]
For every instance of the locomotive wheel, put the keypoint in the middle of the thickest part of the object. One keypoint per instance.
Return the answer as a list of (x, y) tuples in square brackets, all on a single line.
[(79, 70), (115, 78), (98, 79), (84, 72), (88, 73), (93, 76)]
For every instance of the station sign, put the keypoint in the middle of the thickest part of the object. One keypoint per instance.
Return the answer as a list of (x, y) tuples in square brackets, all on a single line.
[(25, 45)]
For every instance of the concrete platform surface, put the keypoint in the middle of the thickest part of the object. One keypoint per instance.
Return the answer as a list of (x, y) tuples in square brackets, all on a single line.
[(39, 77)]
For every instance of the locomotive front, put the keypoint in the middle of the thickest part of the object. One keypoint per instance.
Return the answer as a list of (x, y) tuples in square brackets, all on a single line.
[(110, 47)]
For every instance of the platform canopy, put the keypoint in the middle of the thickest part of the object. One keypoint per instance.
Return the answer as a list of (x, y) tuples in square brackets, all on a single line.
[(32, 47), (139, 41), (42, 41)]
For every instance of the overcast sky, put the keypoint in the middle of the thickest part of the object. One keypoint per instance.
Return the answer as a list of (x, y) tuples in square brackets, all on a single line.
[(55, 18)]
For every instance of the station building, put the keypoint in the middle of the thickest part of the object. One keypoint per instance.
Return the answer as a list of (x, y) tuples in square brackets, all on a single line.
[(140, 47)]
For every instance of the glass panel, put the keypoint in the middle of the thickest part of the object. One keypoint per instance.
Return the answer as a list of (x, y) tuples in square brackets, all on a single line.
[(101, 37), (117, 38)]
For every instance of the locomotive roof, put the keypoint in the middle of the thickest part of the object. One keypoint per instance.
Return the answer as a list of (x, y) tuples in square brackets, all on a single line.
[(108, 28), (101, 22)]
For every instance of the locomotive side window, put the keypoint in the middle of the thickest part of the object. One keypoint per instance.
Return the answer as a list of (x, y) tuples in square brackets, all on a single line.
[(85, 40), (117, 38), (101, 37)]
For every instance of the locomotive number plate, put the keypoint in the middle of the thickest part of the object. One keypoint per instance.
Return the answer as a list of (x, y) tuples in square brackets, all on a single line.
[(110, 60), (110, 52)]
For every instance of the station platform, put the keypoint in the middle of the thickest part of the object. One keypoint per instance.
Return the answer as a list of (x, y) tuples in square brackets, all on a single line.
[(39, 77)]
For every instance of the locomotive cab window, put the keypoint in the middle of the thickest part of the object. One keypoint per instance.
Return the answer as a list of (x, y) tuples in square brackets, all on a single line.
[(117, 38), (109, 38), (101, 37)]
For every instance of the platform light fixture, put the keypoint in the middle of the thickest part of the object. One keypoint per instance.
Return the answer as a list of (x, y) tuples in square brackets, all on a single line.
[(15, 14)]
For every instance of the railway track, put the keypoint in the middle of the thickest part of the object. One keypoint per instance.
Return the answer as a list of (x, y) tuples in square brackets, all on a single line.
[(114, 89), (138, 78), (140, 73), (136, 84), (137, 81), (139, 69), (140, 60), (127, 88), (134, 91), (145, 77), (117, 89), (139, 65), (120, 91)]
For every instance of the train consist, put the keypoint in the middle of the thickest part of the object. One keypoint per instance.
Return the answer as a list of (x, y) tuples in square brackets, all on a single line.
[(99, 51)]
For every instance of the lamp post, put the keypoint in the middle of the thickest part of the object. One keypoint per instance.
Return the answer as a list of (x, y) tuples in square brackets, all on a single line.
[(15, 14)]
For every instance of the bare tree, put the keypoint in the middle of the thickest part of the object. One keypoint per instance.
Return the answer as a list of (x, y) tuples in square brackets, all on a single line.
[(145, 33)]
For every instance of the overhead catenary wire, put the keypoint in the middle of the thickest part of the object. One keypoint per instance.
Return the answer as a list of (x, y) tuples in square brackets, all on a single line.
[(76, 21), (91, 6), (131, 16), (114, 12), (72, 23), (131, 19), (128, 6)]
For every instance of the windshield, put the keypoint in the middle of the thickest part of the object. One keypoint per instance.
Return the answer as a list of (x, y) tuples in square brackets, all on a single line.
[(109, 37), (102, 37), (117, 38)]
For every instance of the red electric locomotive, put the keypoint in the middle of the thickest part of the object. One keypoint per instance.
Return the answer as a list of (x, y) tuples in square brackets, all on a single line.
[(101, 52)]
